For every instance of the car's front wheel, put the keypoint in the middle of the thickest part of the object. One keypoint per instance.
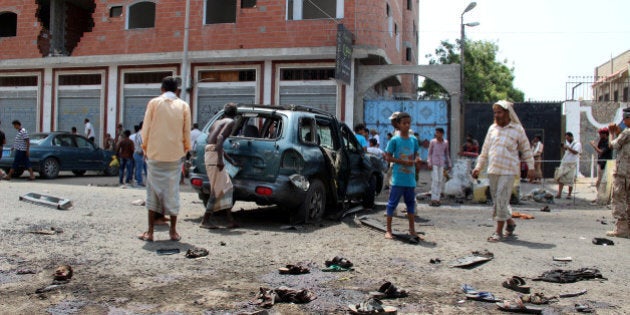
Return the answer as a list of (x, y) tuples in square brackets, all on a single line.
[(50, 168), (314, 205)]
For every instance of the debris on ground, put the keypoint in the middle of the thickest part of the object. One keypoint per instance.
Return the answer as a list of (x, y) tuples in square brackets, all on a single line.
[(196, 252), (138, 202), (268, 297), (540, 195), (477, 258), (570, 276), (52, 231), (47, 200), (63, 272)]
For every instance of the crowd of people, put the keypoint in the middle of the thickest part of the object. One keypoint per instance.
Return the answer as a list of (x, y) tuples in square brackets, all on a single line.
[(155, 152)]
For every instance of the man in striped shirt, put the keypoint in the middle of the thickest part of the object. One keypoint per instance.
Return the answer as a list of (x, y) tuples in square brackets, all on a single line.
[(22, 146), (504, 141)]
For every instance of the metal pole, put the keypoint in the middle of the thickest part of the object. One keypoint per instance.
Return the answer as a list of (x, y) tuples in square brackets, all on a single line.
[(185, 77)]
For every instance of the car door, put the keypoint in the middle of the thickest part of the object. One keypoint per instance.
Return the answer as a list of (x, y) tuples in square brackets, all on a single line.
[(357, 174), (87, 155), (65, 150)]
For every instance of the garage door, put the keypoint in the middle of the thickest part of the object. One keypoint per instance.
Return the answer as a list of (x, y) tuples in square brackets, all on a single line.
[(18, 105), (75, 106), (135, 105), (323, 97), (211, 99)]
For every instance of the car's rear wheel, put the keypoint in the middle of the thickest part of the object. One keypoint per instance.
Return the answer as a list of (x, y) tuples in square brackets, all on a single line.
[(78, 172), (50, 168), (314, 205)]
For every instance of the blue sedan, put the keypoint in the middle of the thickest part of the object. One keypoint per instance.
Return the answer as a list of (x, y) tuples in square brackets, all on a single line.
[(56, 151)]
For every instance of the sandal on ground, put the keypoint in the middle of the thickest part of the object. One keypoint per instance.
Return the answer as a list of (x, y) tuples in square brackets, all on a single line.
[(518, 307), (517, 284), (293, 270), (371, 306), (388, 291), (495, 238), (509, 229), (145, 237), (339, 261), (538, 298)]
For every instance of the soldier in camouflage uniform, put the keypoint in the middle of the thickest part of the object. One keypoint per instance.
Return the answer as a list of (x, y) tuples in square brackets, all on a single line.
[(620, 142)]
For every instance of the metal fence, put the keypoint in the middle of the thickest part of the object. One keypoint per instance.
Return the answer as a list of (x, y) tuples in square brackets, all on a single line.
[(602, 89)]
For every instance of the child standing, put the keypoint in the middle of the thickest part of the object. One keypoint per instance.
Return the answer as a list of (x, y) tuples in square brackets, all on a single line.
[(402, 151), (439, 160)]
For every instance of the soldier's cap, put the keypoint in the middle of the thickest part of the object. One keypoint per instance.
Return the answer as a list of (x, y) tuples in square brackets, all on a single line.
[(394, 115)]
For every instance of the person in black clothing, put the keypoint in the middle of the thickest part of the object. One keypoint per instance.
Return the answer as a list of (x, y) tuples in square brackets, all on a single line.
[(604, 153)]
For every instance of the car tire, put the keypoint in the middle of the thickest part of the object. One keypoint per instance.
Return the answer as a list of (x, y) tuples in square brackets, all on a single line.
[(111, 170), (78, 172), (370, 193), (49, 168), (314, 205)]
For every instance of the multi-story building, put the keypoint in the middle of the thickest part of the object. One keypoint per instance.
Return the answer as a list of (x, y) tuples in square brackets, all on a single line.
[(65, 60), (613, 79)]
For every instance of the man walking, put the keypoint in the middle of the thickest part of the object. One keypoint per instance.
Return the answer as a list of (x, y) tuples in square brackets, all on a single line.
[(138, 157), (3, 141), (221, 188), (22, 147), (620, 141), (568, 166), (166, 139), (504, 141), (439, 159), (89, 130)]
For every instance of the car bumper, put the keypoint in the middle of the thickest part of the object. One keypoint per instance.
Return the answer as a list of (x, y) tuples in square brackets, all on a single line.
[(281, 192)]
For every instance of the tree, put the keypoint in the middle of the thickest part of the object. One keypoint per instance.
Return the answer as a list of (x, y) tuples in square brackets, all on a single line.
[(485, 78)]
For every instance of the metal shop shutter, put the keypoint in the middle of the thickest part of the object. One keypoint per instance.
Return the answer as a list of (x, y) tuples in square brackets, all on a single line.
[(211, 100), (135, 105), (323, 97), (75, 106), (20, 105)]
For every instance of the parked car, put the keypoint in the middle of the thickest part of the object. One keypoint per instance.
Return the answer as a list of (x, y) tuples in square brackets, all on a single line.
[(299, 158), (51, 152)]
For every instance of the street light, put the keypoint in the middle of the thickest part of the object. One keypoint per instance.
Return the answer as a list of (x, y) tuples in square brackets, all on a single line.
[(462, 48)]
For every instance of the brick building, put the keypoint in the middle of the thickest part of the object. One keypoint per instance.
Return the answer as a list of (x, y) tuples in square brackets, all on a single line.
[(65, 60)]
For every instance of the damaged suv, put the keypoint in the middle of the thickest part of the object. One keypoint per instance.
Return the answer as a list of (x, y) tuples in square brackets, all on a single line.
[(299, 158)]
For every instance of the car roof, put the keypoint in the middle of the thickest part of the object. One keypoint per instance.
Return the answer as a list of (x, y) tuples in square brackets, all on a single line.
[(289, 107)]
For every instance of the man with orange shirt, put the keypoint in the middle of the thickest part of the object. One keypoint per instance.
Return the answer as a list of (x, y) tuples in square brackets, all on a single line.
[(166, 139)]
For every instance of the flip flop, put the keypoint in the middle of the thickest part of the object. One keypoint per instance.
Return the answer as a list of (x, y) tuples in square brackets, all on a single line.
[(371, 306), (509, 229), (336, 268), (518, 307), (145, 237), (388, 291), (517, 284), (177, 238), (483, 296), (339, 261), (602, 241), (293, 270)]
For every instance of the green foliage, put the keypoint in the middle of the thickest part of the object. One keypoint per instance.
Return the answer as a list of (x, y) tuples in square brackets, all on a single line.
[(485, 78)]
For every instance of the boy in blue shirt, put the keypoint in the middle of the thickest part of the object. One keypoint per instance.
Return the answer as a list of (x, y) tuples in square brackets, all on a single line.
[(402, 151)]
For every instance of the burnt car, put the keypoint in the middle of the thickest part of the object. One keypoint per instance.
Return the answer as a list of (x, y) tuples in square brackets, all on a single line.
[(51, 152), (299, 158)]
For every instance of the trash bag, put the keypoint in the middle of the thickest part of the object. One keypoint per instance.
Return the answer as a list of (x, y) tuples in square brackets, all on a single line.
[(114, 162), (460, 179)]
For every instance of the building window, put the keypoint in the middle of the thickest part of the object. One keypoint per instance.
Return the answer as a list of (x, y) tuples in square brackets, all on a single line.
[(227, 76), (409, 4), (80, 79), (248, 4), (220, 11), (8, 24), (625, 94), (314, 9), (142, 15), (408, 54), (388, 10), (115, 11), (146, 77), (18, 81), (313, 74)]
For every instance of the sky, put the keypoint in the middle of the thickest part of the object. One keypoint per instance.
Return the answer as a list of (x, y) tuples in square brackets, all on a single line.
[(545, 41)]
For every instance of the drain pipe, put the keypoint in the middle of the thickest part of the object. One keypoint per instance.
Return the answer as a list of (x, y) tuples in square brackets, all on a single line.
[(185, 77)]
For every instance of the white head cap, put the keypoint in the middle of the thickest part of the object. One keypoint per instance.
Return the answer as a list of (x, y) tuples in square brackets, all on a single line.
[(509, 106)]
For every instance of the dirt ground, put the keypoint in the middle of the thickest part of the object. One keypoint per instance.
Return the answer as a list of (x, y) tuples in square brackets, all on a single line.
[(115, 273)]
